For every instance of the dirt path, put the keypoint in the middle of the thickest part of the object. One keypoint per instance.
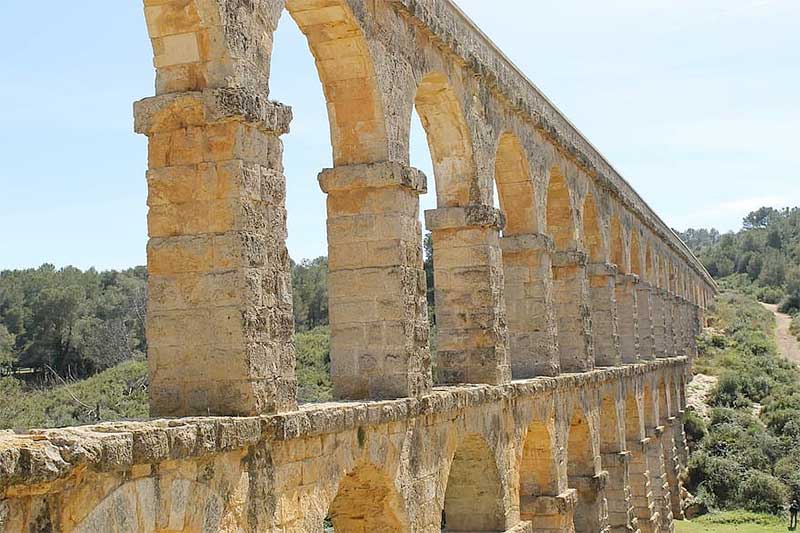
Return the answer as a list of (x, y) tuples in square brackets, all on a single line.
[(787, 343)]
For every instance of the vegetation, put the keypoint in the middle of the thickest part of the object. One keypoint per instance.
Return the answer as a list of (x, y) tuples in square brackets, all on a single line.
[(732, 522), (762, 259), (748, 455)]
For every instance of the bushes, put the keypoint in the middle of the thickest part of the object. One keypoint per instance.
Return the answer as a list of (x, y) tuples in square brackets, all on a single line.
[(742, 460), (695, 428), (795, 327), (762, 493)]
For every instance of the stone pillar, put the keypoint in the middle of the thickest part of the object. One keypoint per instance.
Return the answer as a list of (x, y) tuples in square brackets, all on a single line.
[(602, 278), (669, 325), (219, 319), (694, 328), (627, 317), (644, 314), (532, 329), (575, 346), (550, 514), (591, 513), (673, 466), (657, 308), (376, 282), (472, 342), (659, 485), (621, 516), (642, 495)]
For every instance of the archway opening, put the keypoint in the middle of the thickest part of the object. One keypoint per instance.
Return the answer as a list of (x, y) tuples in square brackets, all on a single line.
[(581, 468), (473, 498), (366, 501), (448, 139), (592, 236), (514, 187), (610, 436), (560, 222), (636, 261), (538, 475), (617, 245)]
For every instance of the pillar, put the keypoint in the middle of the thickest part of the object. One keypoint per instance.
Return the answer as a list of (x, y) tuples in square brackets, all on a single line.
[(659, 486), (575, 345), (679, 325), (550, 514), (532, 329), (642, 496), (672, 462), (621, 516), (657, 314), (472, 341), (644, 314), (627, 317), (376, 282), (591, 513), (219, 319), (602, 279)]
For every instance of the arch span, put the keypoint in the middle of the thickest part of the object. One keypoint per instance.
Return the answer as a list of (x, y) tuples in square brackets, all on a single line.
[(473, 498), (514, 187), (367, 501)]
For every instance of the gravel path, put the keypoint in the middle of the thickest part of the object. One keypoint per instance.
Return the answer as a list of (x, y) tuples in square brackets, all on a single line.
[(787, 343)]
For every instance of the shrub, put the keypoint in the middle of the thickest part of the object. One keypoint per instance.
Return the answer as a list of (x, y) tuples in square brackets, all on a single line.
[(790, 304), (769, 295), (795, 326), (729, 392), (695, 428), (717, 475), (762, 493)]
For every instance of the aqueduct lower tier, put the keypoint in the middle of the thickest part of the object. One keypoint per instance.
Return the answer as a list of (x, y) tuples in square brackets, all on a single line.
[(595, 451), (565, 319)]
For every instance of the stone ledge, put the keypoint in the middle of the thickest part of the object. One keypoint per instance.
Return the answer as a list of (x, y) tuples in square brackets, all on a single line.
[(569, 258), (373, 176), (601, 269), (526, 242), (44, 456), (168, 112), (470, 216)]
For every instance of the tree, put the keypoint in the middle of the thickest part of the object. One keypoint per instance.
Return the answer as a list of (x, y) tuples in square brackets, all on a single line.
[(7, 355), (759, 218)]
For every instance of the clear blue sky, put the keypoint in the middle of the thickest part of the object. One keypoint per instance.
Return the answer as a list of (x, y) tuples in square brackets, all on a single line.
[(695, 103)]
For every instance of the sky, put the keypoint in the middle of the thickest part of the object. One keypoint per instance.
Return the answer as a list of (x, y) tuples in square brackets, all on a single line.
[(692, 101)]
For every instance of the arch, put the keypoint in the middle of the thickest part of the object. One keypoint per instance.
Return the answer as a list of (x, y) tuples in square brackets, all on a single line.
[(650, 409), (514, 187), (448, 139), (580, 454), (560, 222), (617, 244), (636, 260), (592, 236), (345, 67), (651, 268), (538, 474), (367, 501), (634, 424), (473, 498), (663, 403), (610, 427)]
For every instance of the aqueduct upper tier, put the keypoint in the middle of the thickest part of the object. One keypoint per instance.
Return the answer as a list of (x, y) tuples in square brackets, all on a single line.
[(565, 319)]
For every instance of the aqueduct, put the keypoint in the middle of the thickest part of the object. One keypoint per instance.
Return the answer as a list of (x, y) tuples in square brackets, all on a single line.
[(566, 319)]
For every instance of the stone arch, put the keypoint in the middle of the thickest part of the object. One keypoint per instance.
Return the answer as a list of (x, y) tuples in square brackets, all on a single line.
[(514, 187), (610, 441), (650, 264), (581, 471), (634, 423), (650, 408), (617, 245), (592, 235), (367, 501), (538, 468), (560, 222), (449, 139), (663, 402), (636, 261), (137, 506), (473, 498), (345, 67)]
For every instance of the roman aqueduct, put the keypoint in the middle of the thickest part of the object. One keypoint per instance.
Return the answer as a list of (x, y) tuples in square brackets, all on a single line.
[(566, 319)]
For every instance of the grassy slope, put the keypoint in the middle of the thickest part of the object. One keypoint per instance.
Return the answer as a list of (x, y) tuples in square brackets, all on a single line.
[(732, 521)]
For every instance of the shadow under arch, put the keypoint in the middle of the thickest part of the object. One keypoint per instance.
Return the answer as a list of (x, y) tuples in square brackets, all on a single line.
[(636, 261), (367, 500), (592, 236), (581, 472), (514, 187), (473, 498), (449, 141), (538, 470)]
